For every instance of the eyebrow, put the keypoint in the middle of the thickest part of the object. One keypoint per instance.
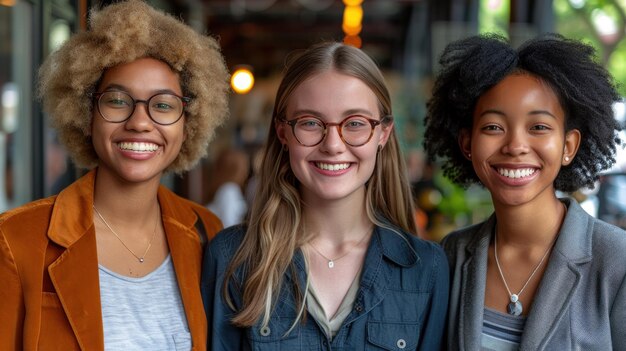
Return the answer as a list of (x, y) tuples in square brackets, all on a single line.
[(114, 86), (532, 113), (350, 112), (542, 112)]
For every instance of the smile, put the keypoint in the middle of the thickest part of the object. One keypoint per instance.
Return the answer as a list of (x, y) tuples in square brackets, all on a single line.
[(332, 166), (138, 147), (516, 173)]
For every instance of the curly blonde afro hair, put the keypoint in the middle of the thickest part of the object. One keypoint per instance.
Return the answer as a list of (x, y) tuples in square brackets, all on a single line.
[(122, 33)]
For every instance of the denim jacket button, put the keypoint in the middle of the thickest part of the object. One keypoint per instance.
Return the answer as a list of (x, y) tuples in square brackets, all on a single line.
[(265, 331), (358, 308), (401, 343)]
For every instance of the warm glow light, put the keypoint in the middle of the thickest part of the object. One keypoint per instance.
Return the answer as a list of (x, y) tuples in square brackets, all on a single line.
[(351, 30), (352, 16), (242, 80), (352, 40), (352, 22), (7, 2)]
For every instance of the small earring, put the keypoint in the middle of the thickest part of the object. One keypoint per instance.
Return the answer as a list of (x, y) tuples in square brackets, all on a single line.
[(380, 147), (469, 155), (566, 158)]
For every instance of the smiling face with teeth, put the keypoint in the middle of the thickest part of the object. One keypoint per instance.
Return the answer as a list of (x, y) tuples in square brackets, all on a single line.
[(137, 149), (518, 141), (332, 169)]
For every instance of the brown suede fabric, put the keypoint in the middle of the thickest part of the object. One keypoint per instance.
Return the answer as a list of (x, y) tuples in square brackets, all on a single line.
[(49, 288)]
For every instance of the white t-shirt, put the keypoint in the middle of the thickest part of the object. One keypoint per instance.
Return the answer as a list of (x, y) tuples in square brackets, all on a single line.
[(143, 313)]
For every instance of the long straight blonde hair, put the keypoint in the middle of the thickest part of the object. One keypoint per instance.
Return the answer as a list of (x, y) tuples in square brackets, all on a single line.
[(275, 228)]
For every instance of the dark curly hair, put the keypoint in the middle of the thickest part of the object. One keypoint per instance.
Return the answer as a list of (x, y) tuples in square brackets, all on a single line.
[(470, 67)]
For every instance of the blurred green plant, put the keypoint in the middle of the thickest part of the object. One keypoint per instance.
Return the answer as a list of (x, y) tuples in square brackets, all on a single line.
[(493, 16), (463, 206), (601, 23)]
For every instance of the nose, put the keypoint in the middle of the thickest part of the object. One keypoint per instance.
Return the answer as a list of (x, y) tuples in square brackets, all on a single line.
[(332, 142), (140, 120), (515, 143)]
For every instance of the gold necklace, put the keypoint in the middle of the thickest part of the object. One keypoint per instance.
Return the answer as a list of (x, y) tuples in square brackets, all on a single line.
[(331, 261), (139, 258)]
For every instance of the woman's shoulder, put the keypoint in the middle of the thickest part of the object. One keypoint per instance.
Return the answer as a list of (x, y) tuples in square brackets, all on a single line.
[(76, 198), (24, 231), (36, 214), (608, 238), (424, 246), (589, 232), (171, 199), (28, 210), (226, 242), (462, 237), (230, 234), (415, 257), (406, 248), (463, 242), (597, 246), (179, 207)]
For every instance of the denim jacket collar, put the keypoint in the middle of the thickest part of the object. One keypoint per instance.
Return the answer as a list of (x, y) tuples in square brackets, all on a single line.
[(386, 248), (395, 247)]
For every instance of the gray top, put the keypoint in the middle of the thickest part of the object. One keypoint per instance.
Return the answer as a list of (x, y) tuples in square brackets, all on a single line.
[(580, 302), (501, 331), (143, 313), (332, 325)]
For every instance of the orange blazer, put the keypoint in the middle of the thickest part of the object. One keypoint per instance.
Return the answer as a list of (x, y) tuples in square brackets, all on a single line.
[(49, 286)]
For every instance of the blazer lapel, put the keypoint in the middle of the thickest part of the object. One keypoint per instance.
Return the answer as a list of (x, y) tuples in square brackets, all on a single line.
[(75, 273), (186, 253), (560, 280), (550, 303), (473, 288)]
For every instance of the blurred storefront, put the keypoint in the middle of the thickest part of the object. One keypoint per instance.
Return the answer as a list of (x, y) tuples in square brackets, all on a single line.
[(30, 160), (404, 36)]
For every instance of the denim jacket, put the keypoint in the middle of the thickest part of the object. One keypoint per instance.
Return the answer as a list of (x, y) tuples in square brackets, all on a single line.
[(401, 303)]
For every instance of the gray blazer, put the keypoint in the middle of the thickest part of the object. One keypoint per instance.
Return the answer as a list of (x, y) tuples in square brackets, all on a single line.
[(580, 303)]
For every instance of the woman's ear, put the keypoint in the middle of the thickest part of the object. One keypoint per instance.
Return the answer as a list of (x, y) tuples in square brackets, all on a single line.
[(386, 133), (465, 143), (281, 130), (572, 143)]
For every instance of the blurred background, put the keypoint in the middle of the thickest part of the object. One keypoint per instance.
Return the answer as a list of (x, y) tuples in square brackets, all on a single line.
[(404, 37)]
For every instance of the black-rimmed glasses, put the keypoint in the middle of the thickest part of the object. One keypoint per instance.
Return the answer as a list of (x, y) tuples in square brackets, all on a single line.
[(354, 130), (117, 106)]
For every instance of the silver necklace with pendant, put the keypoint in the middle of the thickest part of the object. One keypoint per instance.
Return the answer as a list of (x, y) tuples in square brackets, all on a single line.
[(331, 261), (515, 306)]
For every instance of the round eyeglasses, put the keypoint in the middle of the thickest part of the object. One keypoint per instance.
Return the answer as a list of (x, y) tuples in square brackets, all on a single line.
[(163, 108), (354, 130)]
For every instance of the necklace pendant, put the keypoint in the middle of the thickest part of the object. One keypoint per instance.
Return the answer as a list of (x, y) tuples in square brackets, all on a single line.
[(514, 307), (140, 259), (331, 264)]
